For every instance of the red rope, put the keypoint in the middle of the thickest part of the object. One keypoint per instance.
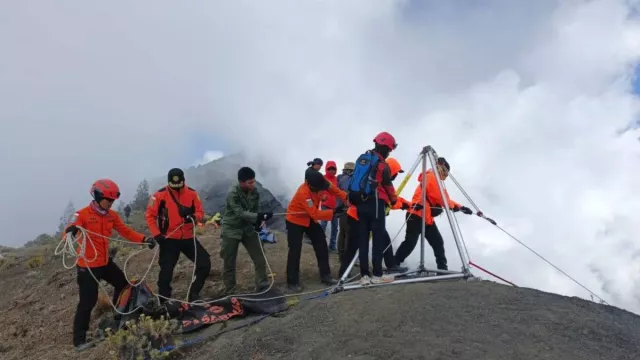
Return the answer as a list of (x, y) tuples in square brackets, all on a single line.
[(490, 273)]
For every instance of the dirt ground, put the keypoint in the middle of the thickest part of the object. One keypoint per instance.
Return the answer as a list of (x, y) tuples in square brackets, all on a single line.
[(446, 320), (37, 304)]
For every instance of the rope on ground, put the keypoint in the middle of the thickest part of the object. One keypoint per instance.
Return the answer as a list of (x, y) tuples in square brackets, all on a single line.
[(490, 273), (523, 244)]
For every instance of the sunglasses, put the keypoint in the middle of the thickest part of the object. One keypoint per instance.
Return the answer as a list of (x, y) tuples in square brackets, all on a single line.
[(332, 169)]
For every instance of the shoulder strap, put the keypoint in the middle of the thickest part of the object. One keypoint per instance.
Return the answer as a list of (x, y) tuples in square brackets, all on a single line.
[(173, 197)]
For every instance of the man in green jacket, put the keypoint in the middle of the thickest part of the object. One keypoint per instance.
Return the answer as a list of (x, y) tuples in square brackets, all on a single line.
[(239, 225)]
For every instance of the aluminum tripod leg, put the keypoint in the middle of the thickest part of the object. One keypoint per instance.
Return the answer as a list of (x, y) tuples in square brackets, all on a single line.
[(425, 206), (447, 210)]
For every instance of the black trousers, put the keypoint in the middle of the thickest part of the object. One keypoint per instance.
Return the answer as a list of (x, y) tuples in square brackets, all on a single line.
[(88, 291), (318, 240), (431, 233), (170, 250), (353, 244), (371, 215)]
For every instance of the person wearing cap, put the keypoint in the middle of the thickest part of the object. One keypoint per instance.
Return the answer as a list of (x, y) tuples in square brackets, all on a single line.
[(434, 203), (240, 221), (171, 215), (329, 203), (303, 214), (340, 210)]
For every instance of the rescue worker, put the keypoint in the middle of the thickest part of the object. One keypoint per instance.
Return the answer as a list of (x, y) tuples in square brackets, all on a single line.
[(340, 211), (371, 212), (240, 225), (303, 214), (353, 240), (415, 221), (99, 221), (171, 216), (127, 212), (329, 203)]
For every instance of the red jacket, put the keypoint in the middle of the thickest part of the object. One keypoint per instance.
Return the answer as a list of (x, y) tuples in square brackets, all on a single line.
[(99, 228), (330, 200), (163, 214), (303, 208), (386, 191), (434, 198)]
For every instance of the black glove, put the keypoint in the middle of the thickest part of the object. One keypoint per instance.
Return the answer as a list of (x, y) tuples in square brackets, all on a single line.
[(339, 209), (405, 206), (72, 229), (263, 216), (159, 239), (416, 206), (465, 210), (151, 242), (189, 218)]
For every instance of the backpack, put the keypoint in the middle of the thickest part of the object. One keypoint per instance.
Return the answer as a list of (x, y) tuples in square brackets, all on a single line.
[(363, 181)]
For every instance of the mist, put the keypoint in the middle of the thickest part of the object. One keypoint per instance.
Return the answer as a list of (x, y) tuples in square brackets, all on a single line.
[(525, 99)]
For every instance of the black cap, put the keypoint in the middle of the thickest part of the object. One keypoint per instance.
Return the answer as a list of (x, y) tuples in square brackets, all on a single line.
[(442, 161), (175, 178), (316, 161), (316, 180)]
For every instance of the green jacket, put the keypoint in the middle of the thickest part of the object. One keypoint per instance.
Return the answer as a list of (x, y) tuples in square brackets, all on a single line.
[(240, 212)]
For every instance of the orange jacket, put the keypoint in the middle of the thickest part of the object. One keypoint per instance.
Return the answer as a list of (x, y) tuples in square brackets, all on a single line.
[(352, 211), (433, 197), (163, 215), (99, 229), (304, 206)]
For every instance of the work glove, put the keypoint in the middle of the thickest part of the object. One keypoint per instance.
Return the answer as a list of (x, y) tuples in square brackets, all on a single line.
[(72, 229), (189, 218), (151, 242), (159, 239), (416, 206), (465, 210), (405, 206), (264, 216)]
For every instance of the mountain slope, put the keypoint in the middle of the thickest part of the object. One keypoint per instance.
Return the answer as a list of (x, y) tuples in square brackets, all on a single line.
[(448, 320)]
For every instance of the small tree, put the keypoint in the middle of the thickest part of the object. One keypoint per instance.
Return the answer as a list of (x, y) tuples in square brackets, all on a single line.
[(66, 217), (141, 198)]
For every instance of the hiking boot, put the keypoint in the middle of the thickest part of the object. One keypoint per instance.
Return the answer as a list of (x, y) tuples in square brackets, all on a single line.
[(263, 286), (85, 346), (384, 279), (328, 280), (195, 298), (365, 280), (397, 270), (293, 288)]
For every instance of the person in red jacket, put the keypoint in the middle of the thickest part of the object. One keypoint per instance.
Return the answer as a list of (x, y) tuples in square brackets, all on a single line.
[(415, 221), (329, 203), (98, 221), (303, 214), (371, 212), (171, 214)]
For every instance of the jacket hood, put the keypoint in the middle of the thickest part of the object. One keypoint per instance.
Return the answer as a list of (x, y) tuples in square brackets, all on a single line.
[(330, 164)]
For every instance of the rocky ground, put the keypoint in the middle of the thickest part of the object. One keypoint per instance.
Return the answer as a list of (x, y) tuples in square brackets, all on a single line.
[(446, 320)]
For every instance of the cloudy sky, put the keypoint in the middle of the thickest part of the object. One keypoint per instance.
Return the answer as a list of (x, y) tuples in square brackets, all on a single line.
[(527, 100)]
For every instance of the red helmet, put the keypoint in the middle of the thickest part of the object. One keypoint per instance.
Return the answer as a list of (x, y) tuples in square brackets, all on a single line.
[(105, 189), (386, 139)]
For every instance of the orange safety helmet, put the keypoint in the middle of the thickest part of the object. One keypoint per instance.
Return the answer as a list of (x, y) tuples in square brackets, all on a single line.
[(394, 166), (386, 139), (105, 189)]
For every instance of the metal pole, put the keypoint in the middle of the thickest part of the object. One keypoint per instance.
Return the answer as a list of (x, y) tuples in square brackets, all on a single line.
[(408, 281), (447, 210), (425, 208)]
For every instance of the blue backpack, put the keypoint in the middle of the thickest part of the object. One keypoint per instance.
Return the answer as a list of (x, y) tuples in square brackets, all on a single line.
[(363, 181)]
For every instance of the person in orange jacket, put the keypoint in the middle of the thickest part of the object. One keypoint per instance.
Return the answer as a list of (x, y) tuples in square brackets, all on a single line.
[(303, 214), (329, 203), (99, 221), (415, 221), (171, 214), (353, 235)]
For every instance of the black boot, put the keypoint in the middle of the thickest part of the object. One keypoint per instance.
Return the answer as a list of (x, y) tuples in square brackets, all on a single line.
[(328, 280), (397, 270)]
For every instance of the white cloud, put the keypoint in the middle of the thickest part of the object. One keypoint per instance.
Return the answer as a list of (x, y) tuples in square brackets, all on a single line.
[(209, 156), (523, 98)]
